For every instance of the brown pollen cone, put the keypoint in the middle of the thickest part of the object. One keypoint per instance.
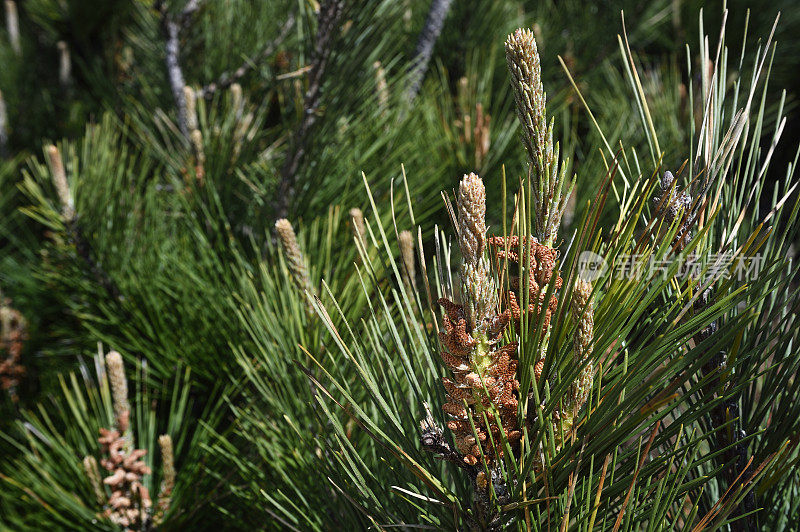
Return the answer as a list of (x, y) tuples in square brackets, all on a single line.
[(13, 334), (541, 268), (484, 381), (129, 497)]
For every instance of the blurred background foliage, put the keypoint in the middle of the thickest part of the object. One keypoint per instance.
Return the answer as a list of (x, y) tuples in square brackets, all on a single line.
[(170, 258)]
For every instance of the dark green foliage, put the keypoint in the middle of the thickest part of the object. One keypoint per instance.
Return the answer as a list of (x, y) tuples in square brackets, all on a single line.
[(301, 410)]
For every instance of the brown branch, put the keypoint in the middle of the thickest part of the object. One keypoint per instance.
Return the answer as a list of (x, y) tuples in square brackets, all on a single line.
[(229, 78), (432, 440), (329, 15)]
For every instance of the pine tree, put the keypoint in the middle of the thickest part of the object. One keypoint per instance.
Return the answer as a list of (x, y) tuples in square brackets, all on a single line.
[(240, 203)]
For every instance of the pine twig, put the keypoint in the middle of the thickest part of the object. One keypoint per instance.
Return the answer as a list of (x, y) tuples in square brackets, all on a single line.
[(329, 14), (425, 43), (171, 28), (432, 440), (229, 78)]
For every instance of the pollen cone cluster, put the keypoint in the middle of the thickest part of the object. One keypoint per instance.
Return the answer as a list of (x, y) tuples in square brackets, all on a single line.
[(130, 500), (540, 269), (483, 391), (484, 383), (13, 333)]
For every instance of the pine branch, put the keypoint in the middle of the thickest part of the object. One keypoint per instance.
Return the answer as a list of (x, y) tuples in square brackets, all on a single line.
[(669, 203), (730, 437), (171, 28), (229, 78), (432, 440), (329, 15), (425, 43)]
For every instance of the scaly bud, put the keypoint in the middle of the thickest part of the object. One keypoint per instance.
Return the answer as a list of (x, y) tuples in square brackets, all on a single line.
[(294, 256), (471, 218), (119, 389), (479, 290), (407, 252), (59, 176), (524, 66), (64, 64), (359, 227), (167, 460), (12, 26), (3, 127), (168, 477), (236, 98), (547, 178), (381, 87), (197, 146), (191, 107), (583, 311)]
